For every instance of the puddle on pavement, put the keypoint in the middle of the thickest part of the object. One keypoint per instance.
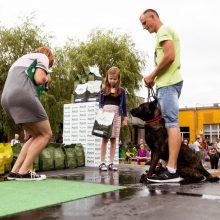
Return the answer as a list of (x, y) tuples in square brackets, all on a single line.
[(134, 190)]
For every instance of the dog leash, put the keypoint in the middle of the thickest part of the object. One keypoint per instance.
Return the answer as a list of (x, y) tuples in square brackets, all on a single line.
[(151, 94)]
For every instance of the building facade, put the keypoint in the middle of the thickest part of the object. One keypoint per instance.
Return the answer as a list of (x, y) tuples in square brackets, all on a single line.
[(200, 121)]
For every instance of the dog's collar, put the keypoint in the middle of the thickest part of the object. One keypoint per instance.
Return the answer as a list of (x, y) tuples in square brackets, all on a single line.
[(153, 121)]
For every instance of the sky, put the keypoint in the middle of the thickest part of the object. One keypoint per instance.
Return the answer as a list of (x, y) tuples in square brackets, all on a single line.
[(196, 22)]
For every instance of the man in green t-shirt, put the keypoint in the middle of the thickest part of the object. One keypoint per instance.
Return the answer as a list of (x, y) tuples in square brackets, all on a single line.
[(168, 80)]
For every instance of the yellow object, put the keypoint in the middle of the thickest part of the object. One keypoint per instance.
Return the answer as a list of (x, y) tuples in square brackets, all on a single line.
[(142, 163), (195, 119), (132, 162), (8, 156), (2, 159)]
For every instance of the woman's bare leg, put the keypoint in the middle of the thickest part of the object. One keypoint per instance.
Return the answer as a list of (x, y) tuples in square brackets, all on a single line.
[(21, 156), (41, 134)]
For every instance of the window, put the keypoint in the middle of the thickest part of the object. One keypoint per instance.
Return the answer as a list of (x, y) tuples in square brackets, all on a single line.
[(185, 133), (212, 132), (207, 128)]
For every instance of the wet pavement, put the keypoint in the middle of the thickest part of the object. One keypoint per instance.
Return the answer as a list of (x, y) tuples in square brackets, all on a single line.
[(137, 201)]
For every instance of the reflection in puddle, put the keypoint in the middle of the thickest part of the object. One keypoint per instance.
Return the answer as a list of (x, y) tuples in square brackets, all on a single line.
[(84, 208)]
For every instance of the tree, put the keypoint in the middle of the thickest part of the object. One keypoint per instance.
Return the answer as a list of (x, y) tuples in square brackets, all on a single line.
[(105, 49)]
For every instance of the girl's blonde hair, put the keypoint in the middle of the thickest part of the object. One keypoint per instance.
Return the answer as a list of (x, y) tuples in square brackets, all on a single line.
[(107, 87), (48, 53)]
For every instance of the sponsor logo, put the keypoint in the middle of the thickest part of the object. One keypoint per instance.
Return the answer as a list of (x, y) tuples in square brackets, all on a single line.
[(91, 110), (66, 123), (75, 110), (74, 135), (66, 107), (82, 106), (75, 128), (91, 114), (91, 119), (66, 139), (82, 119), (90, 124), (82, 115), (82, 139), (82, 127), (97, 139), (82, 123), (90, 153)]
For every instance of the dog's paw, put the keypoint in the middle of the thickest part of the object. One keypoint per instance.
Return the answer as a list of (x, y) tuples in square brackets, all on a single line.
[(143, 178)]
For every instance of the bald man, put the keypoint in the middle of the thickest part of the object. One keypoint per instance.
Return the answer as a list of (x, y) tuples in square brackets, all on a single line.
[(168, 80)]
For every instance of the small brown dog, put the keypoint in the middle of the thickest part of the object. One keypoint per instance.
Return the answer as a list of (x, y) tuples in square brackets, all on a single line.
[(189, 164)]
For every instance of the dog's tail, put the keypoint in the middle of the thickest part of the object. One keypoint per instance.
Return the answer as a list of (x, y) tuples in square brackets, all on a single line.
[(212, 178), (209, 177)]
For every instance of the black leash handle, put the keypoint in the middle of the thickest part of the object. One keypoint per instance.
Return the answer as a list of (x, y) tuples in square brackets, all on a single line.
[(151, 94)]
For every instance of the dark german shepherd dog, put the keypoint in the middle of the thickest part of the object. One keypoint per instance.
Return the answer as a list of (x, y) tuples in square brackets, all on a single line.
[(189, 164)]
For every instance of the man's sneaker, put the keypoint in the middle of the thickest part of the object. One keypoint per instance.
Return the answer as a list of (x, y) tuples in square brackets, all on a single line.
[(103, 167), (11, 176), (165, 177), (112, 167), (160, 169), (30, 175)]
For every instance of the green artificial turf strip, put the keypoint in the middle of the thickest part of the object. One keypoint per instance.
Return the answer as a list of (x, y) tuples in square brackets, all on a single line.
[(19, 196)]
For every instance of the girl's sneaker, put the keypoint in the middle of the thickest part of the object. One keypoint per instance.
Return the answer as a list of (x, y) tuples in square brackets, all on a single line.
[(30, 175), (103, 167), (11, 176), (112, 167)]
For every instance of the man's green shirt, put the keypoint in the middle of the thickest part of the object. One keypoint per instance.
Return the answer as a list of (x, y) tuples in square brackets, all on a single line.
[(172, 75)]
